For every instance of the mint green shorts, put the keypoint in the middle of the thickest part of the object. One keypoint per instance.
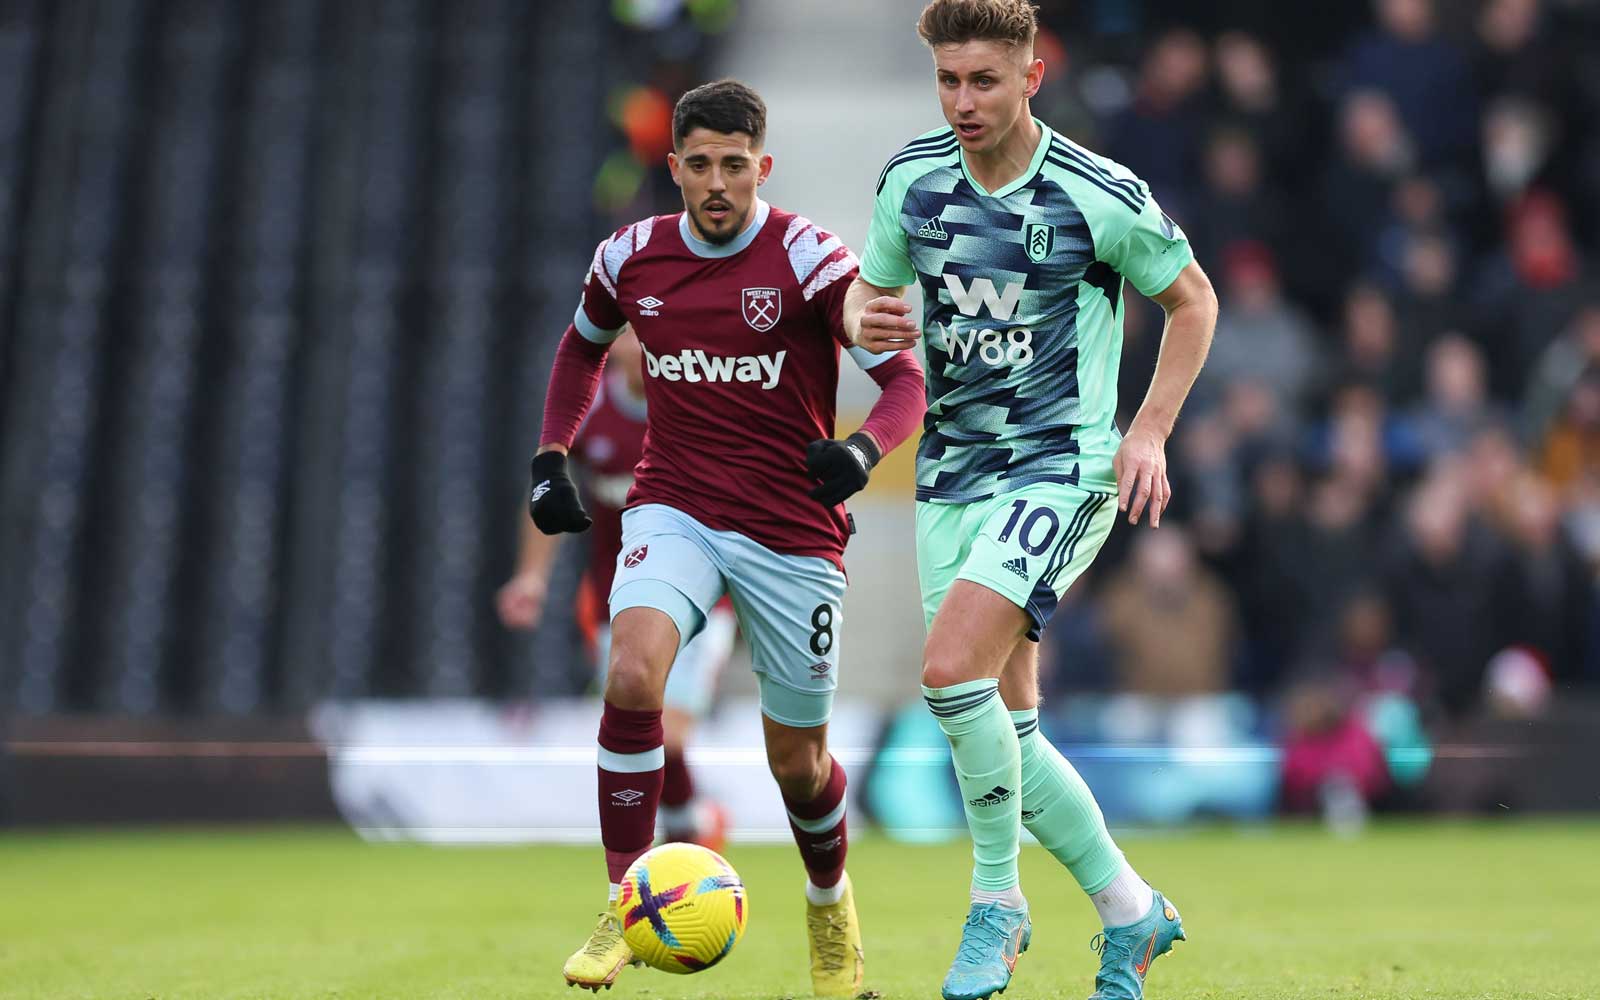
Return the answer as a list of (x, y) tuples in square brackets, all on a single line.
[(1028, 545)]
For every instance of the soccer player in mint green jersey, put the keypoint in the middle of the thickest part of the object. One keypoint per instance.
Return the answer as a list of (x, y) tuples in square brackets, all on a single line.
[(1021, 241)]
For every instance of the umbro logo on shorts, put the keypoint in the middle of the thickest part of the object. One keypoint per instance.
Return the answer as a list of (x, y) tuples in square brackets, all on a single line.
[(635, 556), (992, 797), (1019, 566), (933, 229), (821, 668)]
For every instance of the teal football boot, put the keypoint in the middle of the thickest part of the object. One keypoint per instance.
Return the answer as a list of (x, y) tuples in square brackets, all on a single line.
[(1126, 952), (991, 941)]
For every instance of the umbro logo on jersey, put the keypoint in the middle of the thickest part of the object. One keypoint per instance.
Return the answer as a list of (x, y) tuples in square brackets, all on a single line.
[(933, 229), (1019, 566), (992, 797), (627, 796), (650, 306)]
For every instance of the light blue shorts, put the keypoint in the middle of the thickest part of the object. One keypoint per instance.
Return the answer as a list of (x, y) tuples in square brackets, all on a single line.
[(788, 606)]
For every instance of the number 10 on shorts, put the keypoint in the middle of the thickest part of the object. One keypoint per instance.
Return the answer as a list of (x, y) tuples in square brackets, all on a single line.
[(1035, 529)]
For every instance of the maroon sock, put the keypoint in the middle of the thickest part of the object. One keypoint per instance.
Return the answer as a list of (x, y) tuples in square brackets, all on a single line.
[(677, 787), (630, 765), (819, 830)]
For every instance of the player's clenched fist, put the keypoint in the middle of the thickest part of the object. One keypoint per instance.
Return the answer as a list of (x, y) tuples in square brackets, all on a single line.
[(520, 601), (886, 325), (840, 468), (553, 499)]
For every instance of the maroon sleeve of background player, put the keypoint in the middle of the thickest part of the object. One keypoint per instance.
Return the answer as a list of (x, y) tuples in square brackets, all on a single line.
[(900, 406), (573, 381)]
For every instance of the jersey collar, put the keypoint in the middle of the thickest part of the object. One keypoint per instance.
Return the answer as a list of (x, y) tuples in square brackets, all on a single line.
[(700, 248), (1022, 178)]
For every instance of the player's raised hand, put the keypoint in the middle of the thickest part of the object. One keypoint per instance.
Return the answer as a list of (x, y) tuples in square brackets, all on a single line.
[(520, 601), (1141, 470), (840, 468), (553, 498), (886, 325)]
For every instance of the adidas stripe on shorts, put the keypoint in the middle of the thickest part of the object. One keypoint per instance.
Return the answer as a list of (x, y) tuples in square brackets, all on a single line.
[(1028, 545)]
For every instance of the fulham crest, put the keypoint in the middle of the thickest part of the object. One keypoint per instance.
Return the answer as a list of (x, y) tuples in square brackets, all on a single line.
[(762, 307)]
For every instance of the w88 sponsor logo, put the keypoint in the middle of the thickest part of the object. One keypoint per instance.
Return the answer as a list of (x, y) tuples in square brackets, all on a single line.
[(994, 348)]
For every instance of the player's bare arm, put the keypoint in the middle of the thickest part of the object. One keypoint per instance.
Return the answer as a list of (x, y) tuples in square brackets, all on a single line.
[(520, 600), (879, 319), (1141, 462)]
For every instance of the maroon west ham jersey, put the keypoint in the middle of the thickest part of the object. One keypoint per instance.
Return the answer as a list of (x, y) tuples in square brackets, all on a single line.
[(741, 349), (608, 446)]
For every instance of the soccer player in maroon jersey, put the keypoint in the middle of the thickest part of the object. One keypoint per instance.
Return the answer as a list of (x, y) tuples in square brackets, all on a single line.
[(738, 306), (608, 446)]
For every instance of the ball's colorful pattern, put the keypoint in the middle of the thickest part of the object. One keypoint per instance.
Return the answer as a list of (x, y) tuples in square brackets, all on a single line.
[(682, 907)]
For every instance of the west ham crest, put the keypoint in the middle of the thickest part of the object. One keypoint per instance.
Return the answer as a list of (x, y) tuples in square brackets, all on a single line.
[(762, 307), (636, 556)]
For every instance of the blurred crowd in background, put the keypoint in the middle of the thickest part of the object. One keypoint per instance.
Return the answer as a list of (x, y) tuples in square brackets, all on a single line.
[(1387, 474)]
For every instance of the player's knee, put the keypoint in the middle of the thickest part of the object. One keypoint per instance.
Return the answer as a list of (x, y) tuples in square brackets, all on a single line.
[(946, 667), (799, 768), (631, 683)]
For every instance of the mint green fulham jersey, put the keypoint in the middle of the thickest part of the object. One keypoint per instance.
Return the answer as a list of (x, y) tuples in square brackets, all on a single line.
[(1022, 308)]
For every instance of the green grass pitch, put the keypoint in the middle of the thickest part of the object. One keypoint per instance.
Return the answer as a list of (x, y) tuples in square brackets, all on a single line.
[(1507, 910)]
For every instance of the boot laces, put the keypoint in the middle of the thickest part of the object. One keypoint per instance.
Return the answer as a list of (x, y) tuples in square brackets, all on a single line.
[(828, 936)]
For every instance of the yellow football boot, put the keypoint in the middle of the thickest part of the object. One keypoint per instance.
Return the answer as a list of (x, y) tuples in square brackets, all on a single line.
[(597, 963), (837, 962)]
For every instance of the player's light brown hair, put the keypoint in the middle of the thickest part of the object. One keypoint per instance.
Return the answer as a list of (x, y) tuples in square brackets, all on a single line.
[(954, 22), (722, 106)]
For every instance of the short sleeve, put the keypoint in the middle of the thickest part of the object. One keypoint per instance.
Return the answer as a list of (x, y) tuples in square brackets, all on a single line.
[(886, 259), (599, 318), (1153, 249)]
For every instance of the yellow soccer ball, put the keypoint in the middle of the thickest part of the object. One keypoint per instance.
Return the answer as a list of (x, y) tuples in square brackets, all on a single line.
[(683, 908)]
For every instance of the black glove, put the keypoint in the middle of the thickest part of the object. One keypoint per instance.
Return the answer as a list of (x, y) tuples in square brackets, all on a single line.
[(840, 467), (553, 500)]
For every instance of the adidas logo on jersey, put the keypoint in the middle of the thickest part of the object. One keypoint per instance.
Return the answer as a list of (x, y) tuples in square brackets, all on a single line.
[(698, 366), (933, 229), (1019, 566), (993, 797)]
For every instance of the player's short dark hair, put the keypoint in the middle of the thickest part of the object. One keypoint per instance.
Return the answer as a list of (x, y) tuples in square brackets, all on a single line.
[(721, 106), (954, 22)]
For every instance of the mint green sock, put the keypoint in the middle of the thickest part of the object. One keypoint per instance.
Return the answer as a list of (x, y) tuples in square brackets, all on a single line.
[(988, 763), (1059, 809)]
